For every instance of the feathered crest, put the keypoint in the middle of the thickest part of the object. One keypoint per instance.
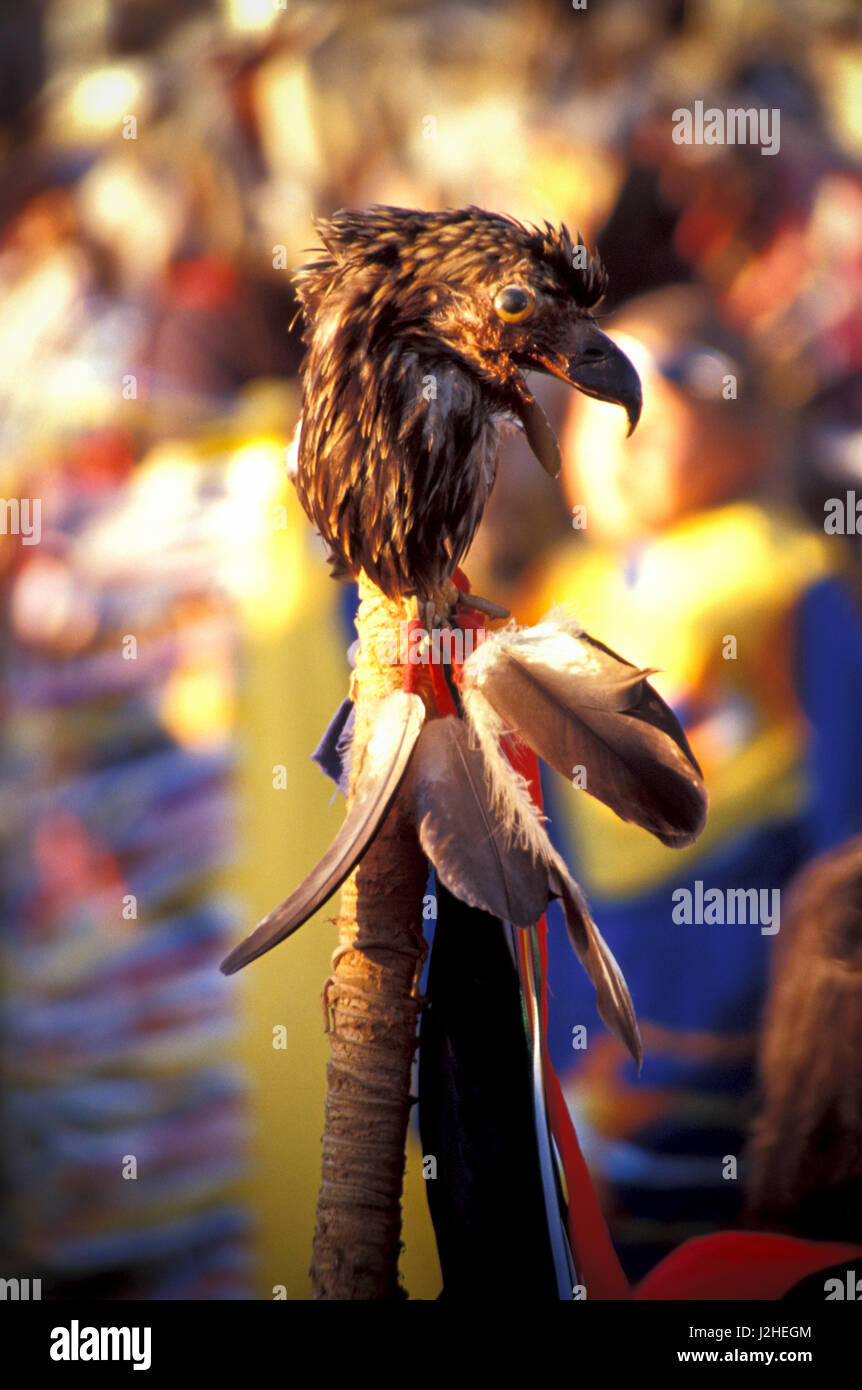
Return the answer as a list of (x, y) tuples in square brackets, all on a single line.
[(469, 245)]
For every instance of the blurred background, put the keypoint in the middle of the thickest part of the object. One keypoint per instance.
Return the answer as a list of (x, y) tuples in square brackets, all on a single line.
[(172, 646)]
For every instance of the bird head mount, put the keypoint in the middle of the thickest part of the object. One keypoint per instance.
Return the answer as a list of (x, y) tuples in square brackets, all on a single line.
[(419, 328)]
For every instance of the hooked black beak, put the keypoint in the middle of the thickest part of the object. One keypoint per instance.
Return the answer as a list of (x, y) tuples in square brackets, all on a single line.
[(592, 363), (599, 369)]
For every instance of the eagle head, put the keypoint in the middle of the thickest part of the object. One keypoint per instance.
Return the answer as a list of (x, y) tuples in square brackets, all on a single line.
[(419, 327)]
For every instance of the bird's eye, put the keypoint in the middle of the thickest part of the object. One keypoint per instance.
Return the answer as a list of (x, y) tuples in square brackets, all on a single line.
[(514, 304)]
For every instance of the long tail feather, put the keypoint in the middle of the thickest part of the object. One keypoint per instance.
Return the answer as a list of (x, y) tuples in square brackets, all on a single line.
[(386, 757)]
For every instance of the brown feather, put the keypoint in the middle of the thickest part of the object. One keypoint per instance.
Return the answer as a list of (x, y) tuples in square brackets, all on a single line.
[(578, 704)]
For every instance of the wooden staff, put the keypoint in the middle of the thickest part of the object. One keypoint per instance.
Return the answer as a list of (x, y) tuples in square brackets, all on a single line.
[(373, 1004)]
